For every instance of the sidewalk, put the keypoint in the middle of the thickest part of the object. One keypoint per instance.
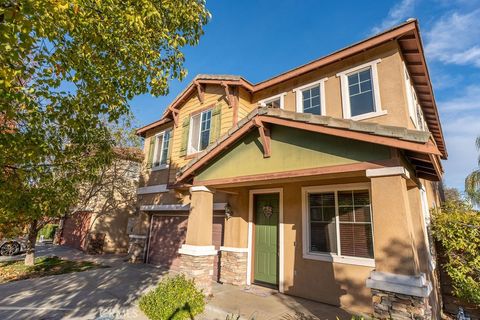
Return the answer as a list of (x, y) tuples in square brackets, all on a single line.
[(261, 304)]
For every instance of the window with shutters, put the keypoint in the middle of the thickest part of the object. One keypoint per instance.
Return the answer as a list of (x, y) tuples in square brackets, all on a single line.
[(161, 149), (337, 224), (199, 132)]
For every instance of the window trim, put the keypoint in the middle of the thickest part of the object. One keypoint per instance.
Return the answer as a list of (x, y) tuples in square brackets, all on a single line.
[(189, 143), (299, 99), (156, 150), (333, 257), (275, 97), (346, 92), (410, 91)]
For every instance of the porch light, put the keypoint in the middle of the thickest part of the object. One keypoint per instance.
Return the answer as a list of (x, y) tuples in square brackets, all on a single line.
[(228, 211)]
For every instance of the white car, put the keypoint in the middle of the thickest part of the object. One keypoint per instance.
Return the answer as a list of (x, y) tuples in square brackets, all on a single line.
[(11, 247)]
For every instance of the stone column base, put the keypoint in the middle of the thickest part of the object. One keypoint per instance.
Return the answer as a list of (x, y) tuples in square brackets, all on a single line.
[(391, 305), (399, 296), (196, 262), (136, 248), (233, 266)]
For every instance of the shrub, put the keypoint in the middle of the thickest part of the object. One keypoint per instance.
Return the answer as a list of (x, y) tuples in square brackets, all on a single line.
[(174, 298), (48, 231), (457, 227)]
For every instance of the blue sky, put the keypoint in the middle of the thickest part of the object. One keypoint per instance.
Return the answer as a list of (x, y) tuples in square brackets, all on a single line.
[(259, 39)]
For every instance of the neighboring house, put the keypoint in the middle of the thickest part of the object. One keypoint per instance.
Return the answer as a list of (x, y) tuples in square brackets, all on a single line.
[(317, 182), (100, 223)]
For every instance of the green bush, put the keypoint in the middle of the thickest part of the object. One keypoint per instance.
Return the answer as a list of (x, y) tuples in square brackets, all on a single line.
[(48, 231), (457, 227), (175, 298)]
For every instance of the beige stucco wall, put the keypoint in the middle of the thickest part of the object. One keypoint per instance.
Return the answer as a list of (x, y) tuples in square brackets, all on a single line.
[(114, 226), (390, 77)]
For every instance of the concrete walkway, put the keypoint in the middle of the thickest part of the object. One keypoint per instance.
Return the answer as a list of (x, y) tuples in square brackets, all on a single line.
[(261, 304), (105, 293), (112, 294)]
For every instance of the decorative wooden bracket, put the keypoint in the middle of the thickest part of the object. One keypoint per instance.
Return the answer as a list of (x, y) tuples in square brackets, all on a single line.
[(175, 116), (264, 137), (231, 100), (200, 91)]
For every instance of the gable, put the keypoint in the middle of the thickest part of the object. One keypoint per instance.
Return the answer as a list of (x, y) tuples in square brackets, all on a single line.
[(291, 149)]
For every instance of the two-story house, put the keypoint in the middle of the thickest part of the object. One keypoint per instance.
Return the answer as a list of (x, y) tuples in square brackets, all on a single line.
[(317, 182)]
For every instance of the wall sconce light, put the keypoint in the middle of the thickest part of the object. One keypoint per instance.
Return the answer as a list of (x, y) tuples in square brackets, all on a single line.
[(228, 211)]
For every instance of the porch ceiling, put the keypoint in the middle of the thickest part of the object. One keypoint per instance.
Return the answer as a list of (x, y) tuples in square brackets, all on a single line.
[(418, 147)]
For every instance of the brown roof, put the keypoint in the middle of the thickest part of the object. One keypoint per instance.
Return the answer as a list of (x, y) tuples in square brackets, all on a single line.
[(416, 142), (410, 43)]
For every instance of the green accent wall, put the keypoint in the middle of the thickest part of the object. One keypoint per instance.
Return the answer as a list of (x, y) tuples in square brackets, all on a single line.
[(291, 149)]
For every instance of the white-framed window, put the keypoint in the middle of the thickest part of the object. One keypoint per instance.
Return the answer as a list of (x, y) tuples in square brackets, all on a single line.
[(199, 132), (161, 151), (277, 101), (310, 98), (360, 92), (427, 229), (337, 224), (411, 98)]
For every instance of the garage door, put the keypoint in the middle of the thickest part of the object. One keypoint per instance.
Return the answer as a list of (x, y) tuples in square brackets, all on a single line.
[(167, 235), (75, 230)]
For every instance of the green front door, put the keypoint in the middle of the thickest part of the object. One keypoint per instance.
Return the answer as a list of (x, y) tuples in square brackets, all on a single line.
[(266, 238)]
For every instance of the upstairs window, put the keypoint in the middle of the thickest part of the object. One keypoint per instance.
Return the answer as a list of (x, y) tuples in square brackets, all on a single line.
[(199, 135), (277, 101), (360, 92), (159, 150), (311, 98)]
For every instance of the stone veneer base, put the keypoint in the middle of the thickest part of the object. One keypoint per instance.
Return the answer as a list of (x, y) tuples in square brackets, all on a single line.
[(233, 268), (199, 268), (390, 305)]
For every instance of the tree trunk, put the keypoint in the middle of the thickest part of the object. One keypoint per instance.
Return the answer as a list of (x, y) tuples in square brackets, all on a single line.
[(31, 241)]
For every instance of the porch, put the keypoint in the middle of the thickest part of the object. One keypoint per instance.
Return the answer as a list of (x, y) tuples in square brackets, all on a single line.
[(315, 210)]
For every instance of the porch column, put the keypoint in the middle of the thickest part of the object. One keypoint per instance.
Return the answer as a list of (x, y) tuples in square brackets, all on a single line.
[(198, 252), (399, 289)]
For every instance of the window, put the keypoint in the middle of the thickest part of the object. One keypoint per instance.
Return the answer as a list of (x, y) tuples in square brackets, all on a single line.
[(199, 136), (410, 94), (338, 224), (311, 98), (360, 92), (274, 102), (322, 222), (162, 144)]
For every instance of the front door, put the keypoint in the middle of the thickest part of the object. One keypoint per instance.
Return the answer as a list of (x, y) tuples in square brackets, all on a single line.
[(267, 208)]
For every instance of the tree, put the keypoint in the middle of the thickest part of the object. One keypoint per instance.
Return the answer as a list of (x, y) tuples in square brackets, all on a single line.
[(457, 227), (67, 72), (114, 188), (472, 181), (452, 194)]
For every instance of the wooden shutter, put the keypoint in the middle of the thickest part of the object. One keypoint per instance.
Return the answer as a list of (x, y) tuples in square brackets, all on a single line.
[(185, 130), (151, 148), (215, 123)]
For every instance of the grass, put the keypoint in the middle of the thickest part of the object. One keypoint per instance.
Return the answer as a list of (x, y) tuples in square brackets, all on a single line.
[(46, 266)]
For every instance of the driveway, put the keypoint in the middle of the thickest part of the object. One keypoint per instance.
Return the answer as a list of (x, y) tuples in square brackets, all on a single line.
[(105, 293)]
